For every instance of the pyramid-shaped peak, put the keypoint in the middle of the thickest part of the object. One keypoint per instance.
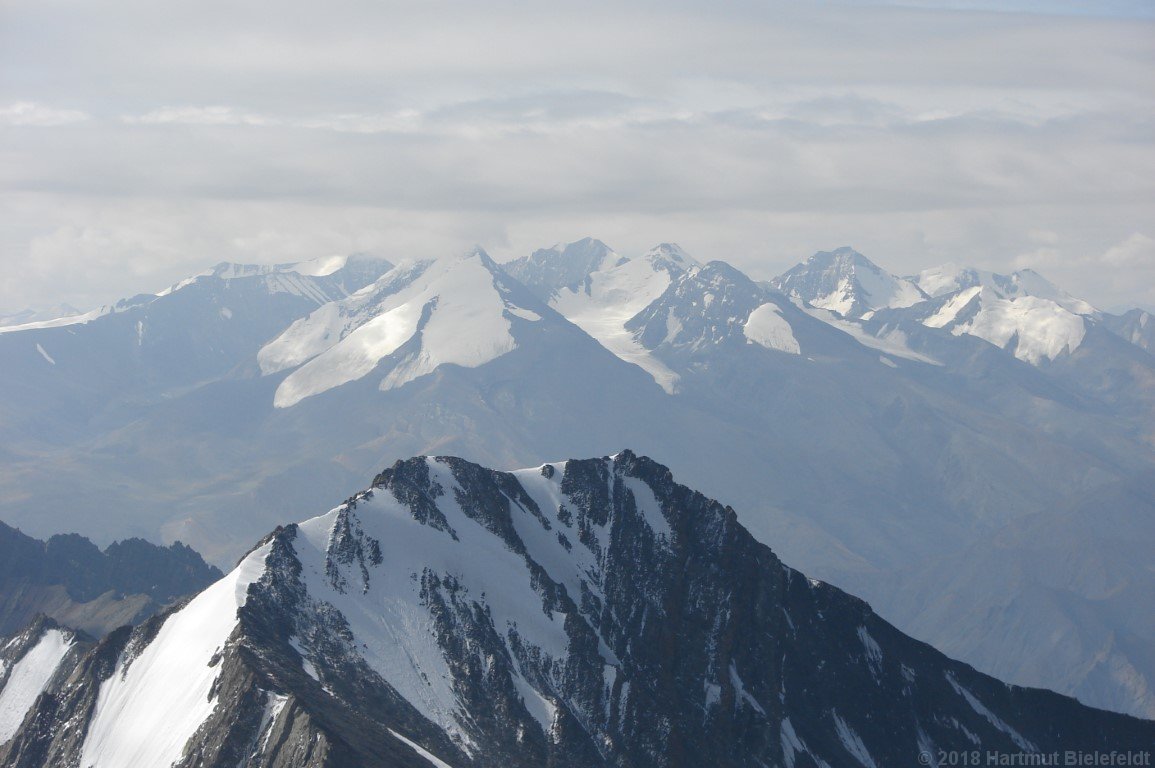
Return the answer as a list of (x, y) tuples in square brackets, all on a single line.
[(844, 257), (476, 252), (846, 282), (721, 269), (670, 255)]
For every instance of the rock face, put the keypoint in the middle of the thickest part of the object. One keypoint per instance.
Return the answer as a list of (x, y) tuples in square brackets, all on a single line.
[(70, 579), (583, 613)]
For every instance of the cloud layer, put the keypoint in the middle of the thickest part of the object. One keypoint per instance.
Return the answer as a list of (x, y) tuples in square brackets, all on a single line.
[(142, 141)]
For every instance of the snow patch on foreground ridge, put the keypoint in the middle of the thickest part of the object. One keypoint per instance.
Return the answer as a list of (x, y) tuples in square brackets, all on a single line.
[(28, 678), (164, 692)]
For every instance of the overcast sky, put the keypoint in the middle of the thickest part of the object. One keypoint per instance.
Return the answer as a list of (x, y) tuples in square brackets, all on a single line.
[(141, 141)]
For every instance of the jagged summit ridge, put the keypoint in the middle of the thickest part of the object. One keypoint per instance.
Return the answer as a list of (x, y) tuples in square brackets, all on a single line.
[(580, 613)]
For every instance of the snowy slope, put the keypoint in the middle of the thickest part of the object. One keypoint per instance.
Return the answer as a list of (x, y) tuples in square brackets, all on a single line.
[(28, 678), (1034, 329), (455, 311), (159, 695), (766, 326), (391, 596), (846, 282), (610, 291), (1021, 312), (64, 381), (949, 278), (59, 322), (31, 316)]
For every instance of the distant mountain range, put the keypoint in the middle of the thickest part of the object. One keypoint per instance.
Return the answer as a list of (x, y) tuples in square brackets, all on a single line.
[(69, 579), (972, 453), (584, 613)]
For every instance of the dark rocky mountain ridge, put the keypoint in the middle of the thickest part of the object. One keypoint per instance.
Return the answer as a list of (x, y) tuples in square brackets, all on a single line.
[(70, 579), (396, 631)]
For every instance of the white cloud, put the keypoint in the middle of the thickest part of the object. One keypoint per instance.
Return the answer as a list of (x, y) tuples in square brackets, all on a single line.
[(1136, 251), (758, 134), (28, 113), (1038, 259), (213, 115)]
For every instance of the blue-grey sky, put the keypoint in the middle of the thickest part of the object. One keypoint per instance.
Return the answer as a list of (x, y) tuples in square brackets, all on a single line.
[(143, 141)]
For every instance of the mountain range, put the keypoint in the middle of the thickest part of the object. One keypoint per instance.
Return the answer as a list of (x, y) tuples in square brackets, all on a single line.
[(580, 613), (970, 452), (70, 580)]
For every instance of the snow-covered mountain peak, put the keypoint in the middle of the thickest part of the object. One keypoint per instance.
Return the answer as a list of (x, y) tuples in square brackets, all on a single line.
[(945, 278), (1021, 312), (420, 315), (565, 265), (709, 305), (846, 282), (609, 291), (670, 256), (1034, 329), (842, 257), (950, 278)]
